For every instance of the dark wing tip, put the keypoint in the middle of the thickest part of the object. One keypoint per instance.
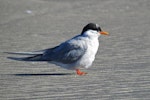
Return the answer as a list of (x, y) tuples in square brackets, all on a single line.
[(15, 58)]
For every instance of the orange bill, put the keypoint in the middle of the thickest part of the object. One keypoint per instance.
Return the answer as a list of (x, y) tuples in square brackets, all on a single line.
[(104, 33)]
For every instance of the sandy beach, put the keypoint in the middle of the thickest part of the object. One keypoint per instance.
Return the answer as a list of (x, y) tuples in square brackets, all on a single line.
[(121, 70)]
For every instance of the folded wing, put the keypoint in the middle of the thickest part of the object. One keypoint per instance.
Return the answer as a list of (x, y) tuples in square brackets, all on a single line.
[(65, 53)]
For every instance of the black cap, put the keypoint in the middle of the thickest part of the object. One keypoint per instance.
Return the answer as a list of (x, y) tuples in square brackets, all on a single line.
[(91, 26)]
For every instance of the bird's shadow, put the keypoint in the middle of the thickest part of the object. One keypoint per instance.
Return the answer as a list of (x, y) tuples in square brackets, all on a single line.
[(44, 74)]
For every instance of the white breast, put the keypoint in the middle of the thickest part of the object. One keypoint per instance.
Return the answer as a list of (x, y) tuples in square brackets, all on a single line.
[(89, 56)]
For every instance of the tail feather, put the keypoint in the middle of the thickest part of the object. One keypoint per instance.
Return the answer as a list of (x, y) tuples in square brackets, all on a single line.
[(31, 58), (24, 53)]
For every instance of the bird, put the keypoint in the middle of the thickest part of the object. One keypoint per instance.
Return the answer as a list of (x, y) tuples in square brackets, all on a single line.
[(73, 54)]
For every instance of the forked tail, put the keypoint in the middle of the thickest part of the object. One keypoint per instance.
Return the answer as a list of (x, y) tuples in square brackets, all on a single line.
[(31, 58)]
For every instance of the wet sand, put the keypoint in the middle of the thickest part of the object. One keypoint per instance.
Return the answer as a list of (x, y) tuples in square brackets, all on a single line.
[(121, 70)]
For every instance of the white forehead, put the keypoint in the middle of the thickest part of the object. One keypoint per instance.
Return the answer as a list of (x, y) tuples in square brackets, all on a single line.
[(97, 25)]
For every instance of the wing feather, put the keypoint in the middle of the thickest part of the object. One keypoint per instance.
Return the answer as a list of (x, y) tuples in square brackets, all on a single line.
[(66, 53)]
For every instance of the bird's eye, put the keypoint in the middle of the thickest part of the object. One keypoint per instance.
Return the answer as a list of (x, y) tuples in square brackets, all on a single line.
[(99, 29)]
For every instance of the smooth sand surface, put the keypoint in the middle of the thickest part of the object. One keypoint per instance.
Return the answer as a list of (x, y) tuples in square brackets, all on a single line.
[(121, 70)]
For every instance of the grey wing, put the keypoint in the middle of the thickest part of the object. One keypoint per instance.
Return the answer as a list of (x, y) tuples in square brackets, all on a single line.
[(36, 55), (65, 53)]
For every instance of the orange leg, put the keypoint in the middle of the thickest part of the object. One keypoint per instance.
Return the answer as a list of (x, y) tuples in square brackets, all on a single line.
[(79, 72)]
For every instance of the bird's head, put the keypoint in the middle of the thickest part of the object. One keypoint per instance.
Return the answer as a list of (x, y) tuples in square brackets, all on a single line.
[(93, 29)]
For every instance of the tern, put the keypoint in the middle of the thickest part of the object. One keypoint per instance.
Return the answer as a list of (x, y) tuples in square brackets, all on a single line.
[(72, 54)]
